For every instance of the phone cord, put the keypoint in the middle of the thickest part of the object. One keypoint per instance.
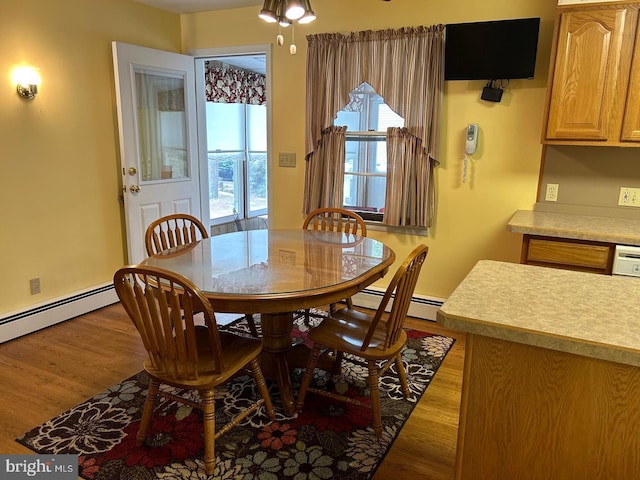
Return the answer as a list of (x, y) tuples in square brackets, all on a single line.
[(464, 168)]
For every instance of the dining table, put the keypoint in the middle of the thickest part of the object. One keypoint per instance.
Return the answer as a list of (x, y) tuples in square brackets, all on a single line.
[(274, 273)]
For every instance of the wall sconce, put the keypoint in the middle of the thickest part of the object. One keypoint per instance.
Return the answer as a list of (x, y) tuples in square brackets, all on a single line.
[(27, 81)]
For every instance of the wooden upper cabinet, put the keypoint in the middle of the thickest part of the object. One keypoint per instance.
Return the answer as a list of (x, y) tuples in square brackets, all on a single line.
[(589, 77)]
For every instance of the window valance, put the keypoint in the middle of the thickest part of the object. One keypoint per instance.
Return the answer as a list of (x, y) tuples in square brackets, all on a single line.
[(226, 84)]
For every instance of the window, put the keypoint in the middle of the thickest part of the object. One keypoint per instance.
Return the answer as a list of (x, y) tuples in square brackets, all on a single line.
[(367, 118), (237, 152)]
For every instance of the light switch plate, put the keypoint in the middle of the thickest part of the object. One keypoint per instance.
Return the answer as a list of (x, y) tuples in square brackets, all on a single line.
[(286, 159), (287, 257)]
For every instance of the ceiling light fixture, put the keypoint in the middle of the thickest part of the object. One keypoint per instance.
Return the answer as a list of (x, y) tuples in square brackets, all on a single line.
[(308, 16), (268, 12), (294, 9), (285, 12)]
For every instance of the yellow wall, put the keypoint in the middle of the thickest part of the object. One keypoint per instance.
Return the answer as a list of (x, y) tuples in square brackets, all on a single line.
[(60, 216), (471, 217)]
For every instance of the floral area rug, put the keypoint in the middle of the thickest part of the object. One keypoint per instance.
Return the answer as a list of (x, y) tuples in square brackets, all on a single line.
[(327, 440)]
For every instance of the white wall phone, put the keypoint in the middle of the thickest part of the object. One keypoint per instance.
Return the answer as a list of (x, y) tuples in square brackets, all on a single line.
[(471, 142), (470, 146)]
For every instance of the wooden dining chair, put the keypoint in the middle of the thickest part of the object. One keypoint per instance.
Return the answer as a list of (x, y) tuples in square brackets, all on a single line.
[(378, 339), (161, 305), (333, 219), (173, 230), (180, 229)]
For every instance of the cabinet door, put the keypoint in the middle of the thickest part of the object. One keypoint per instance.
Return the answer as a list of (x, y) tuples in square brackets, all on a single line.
[(593, 52), (631, 125)]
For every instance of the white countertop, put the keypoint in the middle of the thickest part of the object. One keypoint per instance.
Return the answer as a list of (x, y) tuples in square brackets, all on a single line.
[(590, 315), (625, 231)]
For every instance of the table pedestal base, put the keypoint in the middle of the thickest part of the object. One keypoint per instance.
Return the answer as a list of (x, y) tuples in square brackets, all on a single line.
[(276, 343)]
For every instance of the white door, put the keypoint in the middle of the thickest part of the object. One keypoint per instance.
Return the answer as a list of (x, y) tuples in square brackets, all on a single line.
[(155, 93)]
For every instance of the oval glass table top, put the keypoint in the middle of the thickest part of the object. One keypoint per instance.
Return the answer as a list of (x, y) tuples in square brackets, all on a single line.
[(276, 262)]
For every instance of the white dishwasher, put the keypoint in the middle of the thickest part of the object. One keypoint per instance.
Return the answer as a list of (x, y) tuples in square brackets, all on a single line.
[(627, 261)]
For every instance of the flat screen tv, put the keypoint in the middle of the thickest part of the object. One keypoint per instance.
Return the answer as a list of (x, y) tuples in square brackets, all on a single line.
[(496, 50)]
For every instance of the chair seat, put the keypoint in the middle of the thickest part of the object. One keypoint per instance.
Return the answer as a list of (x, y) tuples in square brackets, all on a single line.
[(345, 331), (236, 350)]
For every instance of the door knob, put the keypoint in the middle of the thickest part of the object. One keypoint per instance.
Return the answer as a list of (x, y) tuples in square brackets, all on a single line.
[(134, 188), (132, 170)]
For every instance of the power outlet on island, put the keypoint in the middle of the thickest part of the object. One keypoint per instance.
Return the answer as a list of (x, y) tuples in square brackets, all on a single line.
[(551, 194)]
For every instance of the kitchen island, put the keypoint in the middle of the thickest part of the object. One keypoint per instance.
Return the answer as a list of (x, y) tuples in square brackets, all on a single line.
[(551, 383)]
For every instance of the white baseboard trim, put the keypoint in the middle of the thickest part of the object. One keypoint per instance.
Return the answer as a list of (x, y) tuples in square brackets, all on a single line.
[(42, 315), (39, 316), (421, 306)]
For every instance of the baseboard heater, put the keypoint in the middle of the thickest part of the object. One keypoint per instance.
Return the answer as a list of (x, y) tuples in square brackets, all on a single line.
[(421, 306), (36, 317)]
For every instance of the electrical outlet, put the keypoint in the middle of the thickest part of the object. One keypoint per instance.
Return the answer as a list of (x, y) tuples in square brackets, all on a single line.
[(629, 197), (552, 192), (34, 285)]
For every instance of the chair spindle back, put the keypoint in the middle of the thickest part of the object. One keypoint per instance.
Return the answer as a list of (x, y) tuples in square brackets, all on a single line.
[(401, 288), (161, 305), (336, 220), (172, 231)]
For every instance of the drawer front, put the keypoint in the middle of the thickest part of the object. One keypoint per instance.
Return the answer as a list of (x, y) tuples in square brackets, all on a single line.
[(568, 253)]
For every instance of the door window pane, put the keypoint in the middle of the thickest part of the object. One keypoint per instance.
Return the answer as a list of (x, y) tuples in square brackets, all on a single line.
[(257, 167), (224, 190), (225, 126), (162, 130), (174, 153), (257, 127), (257, 183), (237, 187)]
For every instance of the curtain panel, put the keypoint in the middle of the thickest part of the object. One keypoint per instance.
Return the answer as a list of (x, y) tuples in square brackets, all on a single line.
[(409, 180), (324, 176), (224, 84), (404, 66)]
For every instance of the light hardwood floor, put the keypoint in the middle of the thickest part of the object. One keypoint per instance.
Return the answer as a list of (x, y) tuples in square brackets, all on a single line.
[(50, 371)]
